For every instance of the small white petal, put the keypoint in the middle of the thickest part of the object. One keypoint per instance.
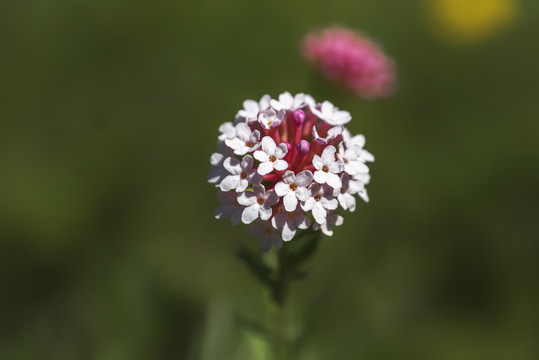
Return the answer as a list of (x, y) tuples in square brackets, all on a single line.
[(289, 177), (356, 167), (304, 178), (243, 131), (317, 162), (265, 212), (232, 165), (282, 189), (230, 182), (280, 165), (350, 202), (242, 185), (333, 180), (308, 204), (328, 155), (281, 151), (319, 213), (302, 194), (247, 162), (251, 106), (268, 145), (329, 204), (265, 168), (247, 198), (367, 156), (288, 232), (320, 177), (271, 198), (290, 201), (261, 156), (250, 214)]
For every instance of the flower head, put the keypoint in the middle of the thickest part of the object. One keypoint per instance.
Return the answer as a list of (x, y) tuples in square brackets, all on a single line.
[(287, 164), (346, 57)]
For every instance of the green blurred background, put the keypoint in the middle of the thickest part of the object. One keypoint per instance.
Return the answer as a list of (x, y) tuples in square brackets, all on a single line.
[(108, 246)]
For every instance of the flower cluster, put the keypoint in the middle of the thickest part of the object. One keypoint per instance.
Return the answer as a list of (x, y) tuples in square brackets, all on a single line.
[(352, 60), (287, 164)]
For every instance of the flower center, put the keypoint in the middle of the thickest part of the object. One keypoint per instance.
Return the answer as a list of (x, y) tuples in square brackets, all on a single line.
[(317, 197), (293, 186), (243, 175), (325, 168), (272, 158), (249, 143), (260, 201)]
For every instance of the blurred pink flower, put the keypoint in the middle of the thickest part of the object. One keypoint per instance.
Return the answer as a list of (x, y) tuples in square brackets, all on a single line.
[(350, 59)]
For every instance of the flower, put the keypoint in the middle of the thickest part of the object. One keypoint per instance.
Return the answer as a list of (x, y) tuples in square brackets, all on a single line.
[(240, 173), (320, 201), (348, 58), (287, 164), (294, 188), (258, 203), (243, 139), (327, 168), (289, 222), (467, 22), (271, 156), (230, 207)]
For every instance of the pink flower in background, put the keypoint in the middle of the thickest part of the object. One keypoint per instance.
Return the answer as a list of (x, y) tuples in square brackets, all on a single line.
[(350, 59), (278, 167)]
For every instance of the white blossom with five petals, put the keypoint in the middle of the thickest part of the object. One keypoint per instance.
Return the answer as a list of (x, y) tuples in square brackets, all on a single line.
[(258, 203), (240, 174), (319, 202), (289, 222), (271, 156), (294, 188), (245, 140), (328, 168)]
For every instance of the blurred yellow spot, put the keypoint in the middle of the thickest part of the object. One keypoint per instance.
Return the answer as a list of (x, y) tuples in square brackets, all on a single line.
[(469, 21)]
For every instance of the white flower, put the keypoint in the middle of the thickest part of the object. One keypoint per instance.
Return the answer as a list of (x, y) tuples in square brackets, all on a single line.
[(289, 102), (270, 118), (244, 140), (331, 114), (258, 202), (251, 108), (230, 208), (302, 153), (331, 135), (294, 188), (267, 236), (241, 173), (320, 200), (289, 222), (345, 195), (327, 168), (357, 143), (271, 156), (333, 219), (353, 164)]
